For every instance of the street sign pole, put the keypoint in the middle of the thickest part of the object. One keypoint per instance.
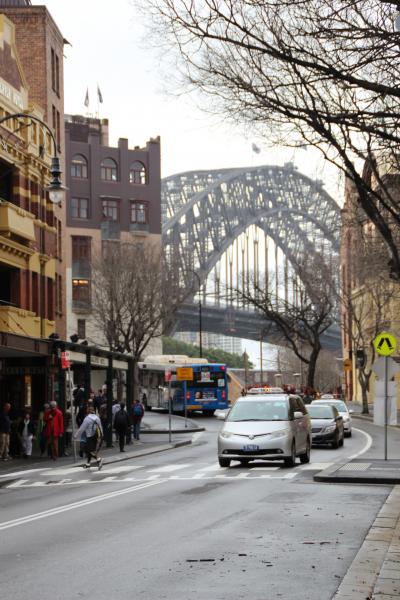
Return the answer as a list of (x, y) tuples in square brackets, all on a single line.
[(169, 412), (72, 413), (386, 404), (184, 394)]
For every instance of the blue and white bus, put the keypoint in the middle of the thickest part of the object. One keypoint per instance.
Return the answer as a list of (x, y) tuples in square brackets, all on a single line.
[(207, 391)]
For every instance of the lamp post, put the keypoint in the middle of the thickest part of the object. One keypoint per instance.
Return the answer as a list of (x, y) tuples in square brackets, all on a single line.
[(200, 315), (55, 188)]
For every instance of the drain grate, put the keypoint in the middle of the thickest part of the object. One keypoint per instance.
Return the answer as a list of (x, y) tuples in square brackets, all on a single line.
[(355, 467)]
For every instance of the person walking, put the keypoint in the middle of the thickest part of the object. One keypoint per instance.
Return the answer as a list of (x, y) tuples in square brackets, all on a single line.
[(54, 428), (121, 425), (137, 416), (5, 429), (41, 431), (26, 431), (92, 429)]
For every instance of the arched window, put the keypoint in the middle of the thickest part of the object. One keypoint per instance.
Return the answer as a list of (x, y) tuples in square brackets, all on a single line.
[(137, 173), (79, 167), (109, 169)]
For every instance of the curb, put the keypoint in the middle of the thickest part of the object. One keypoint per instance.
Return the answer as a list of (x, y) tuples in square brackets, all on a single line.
[(163, 431), (329, 476), (370, 419), (373, 572)]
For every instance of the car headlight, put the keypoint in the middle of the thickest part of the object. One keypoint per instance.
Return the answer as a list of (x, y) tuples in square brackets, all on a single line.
[(346, 418), (276, 434), (330, 429), (226, 434)]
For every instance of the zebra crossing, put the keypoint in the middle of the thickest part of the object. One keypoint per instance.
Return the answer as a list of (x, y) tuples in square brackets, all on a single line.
[(73, 476)]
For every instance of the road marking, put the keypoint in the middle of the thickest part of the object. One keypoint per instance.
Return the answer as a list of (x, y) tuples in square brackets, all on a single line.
[(367, 446), (169, 468), (24, 472), (214, 467), (18, 484), (315, 466), (242, 475), (74, 505), (152, 477), (264, 468)]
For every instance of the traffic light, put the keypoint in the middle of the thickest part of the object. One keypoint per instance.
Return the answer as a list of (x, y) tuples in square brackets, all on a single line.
[(361, 359)]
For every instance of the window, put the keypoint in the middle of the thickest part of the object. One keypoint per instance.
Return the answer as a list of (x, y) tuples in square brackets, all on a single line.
[(81, 291), (110, 210), (56, 125), (137, 173), (138, 212), (57, 76), (81, 246), (79, 208), (109, 171), (81, 326), (79, 167), (55, 72), (59, 295)]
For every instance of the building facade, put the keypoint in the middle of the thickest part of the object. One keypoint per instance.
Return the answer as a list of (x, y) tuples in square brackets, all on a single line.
[(28, 235), (114, 195), (40, 46)]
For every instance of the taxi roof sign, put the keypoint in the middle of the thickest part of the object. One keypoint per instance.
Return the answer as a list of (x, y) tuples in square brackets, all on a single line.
[(385, 343)]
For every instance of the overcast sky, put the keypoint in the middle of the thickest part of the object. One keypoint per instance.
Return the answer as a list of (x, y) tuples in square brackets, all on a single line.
[(108, 49)]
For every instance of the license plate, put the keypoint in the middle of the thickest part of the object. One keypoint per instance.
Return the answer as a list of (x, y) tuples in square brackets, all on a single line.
[(250, 448)]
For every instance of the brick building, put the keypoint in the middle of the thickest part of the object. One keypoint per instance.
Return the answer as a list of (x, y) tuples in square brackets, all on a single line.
[(29, 247), (40, 47), (114, 194)]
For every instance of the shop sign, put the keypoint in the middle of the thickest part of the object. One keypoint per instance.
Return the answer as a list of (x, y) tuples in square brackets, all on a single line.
[(11, 94), (65, 360)]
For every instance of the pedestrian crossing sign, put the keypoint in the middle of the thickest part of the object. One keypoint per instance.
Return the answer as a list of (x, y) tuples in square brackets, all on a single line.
[(385, 344)]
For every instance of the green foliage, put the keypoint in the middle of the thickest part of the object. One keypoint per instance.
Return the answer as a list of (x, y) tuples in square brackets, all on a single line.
[(214, 355)]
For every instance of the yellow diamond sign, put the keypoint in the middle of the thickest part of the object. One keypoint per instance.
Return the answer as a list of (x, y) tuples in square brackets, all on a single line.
[(385, 344)]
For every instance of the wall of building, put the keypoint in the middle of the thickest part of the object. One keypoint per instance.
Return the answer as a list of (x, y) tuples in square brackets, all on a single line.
[(40, 47)]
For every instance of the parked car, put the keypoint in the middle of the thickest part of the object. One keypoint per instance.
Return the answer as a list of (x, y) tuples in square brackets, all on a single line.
[(343, 411), (326, 425), (270, 427)]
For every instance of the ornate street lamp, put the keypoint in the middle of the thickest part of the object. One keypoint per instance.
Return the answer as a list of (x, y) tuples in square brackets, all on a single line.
[(55, 188)]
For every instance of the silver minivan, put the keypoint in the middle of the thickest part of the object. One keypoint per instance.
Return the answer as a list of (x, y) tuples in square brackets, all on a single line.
[(269, 427)]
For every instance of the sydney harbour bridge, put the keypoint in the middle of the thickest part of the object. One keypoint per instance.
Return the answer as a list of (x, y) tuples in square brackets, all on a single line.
[(229, 228)]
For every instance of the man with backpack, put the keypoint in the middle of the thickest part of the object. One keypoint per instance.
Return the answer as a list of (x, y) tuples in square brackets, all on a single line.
[(137, 416), (121, 426), (93, 430)]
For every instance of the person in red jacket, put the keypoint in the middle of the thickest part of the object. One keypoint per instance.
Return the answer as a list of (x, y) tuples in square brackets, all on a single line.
[(54, 427)]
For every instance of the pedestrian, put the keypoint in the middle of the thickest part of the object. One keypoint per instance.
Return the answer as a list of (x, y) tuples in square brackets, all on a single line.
[(99, 399), (26, 431), (5, 429), (54, 429), (41, 431), (137, 416), (68, 425), (92, 429), (79, 397), (121, 425)]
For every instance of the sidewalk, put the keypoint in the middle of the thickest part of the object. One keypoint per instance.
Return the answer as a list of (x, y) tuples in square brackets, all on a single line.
[(375, 571), (154, 426)]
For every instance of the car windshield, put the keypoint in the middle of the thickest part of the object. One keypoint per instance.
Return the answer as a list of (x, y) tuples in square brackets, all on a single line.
[(259, 410), (338, 403), (320, 412)]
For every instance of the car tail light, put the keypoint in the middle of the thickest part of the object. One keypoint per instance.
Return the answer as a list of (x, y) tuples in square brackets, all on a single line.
[(188, 396), (223, 395)]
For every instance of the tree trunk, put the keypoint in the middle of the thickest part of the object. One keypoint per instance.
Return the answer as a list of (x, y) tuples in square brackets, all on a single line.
[(312, 365), (364, 384)]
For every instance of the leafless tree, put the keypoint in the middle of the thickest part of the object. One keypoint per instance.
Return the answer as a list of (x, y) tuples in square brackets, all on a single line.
[(368, 295), (327, 373), (301, 320), (321, 73), (135, 296)]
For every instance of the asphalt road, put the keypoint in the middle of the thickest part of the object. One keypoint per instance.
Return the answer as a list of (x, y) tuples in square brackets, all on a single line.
[(176, 526)]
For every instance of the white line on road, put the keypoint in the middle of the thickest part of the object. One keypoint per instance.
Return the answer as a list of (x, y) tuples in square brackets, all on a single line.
[(67, 507), (367, 445), (169, 468), (16, 473)]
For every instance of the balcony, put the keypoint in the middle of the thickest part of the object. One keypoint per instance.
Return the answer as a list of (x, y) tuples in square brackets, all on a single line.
[(15, 221), (17, 320)]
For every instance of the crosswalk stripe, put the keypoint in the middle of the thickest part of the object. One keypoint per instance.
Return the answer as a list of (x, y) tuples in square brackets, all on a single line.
[(314, 466), (214, 467), (169, 468)]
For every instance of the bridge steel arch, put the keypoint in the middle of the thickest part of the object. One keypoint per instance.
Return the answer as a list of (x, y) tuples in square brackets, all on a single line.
[(205, 211)]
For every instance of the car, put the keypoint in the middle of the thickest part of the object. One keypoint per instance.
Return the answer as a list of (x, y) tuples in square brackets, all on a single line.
[(343, 411), (326, 425), (272, 426)]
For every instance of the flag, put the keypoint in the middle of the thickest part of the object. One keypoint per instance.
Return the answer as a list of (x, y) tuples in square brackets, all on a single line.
[(87, 97), (99, 95), (255, 148)]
